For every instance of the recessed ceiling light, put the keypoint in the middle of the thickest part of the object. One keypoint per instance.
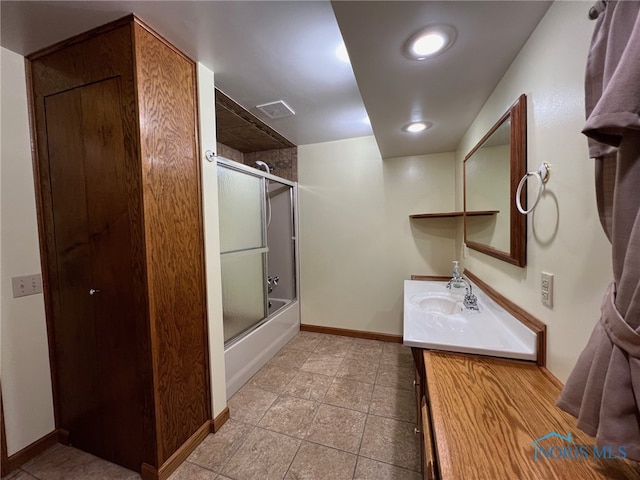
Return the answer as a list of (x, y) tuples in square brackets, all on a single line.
[(429, 42), (417, 127), (342, 54)]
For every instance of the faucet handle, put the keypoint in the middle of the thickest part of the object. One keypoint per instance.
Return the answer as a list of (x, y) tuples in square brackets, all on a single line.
[(471, 301)]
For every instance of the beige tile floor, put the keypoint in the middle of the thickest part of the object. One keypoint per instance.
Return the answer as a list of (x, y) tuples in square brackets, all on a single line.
[(325, 407)]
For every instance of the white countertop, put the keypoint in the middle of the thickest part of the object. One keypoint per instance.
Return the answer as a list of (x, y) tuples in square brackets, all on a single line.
[(491, 331)]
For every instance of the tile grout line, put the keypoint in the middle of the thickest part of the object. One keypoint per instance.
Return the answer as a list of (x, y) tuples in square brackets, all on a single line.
[(350, 353), (314, 417)]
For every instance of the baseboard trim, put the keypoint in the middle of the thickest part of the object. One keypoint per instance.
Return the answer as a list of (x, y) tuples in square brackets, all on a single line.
[(216, 423), (385, 337), (31, 451), (555, 380), (4, 458), (63, 436), (149, 472)]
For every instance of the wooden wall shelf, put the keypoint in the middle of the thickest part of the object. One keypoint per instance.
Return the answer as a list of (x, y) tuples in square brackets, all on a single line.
[(454, 214)]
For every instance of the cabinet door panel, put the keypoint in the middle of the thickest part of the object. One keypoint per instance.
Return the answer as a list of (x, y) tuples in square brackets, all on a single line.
[(112, 271), (74, 328), (91, 207)]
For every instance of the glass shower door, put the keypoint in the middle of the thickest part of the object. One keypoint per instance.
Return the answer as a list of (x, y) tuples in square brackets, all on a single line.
[(243, 250)]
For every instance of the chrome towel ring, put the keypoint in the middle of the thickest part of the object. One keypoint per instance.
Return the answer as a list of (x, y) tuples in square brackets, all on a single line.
[(542, 175)]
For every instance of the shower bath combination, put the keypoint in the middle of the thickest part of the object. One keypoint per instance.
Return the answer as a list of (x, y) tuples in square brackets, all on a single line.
[(259, 266)]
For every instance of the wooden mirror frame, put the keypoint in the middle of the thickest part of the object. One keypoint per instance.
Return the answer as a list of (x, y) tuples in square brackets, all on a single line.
[(518, 167)]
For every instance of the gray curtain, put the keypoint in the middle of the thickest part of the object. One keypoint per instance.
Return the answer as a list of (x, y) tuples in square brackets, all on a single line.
[(603, 390)]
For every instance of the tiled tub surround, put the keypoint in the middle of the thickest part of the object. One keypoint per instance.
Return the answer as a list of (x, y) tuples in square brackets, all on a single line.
[(325, 407), (283, 160)]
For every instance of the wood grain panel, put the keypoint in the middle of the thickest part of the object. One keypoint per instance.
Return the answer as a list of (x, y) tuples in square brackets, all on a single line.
[(478, 213), (431, 278), (518, 169), (112, 272), (429, 463), (75, 333), (173, 232), (105, 53), (149, 472), (139, 97), (489, 411), (243, 131), (517, 254), (96, 347)]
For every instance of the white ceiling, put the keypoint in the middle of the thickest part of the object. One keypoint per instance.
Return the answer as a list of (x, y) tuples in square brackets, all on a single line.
[(267, 50)]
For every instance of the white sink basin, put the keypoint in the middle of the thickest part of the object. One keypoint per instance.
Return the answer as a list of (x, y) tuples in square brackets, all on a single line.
[(435, 318), (437, 303)]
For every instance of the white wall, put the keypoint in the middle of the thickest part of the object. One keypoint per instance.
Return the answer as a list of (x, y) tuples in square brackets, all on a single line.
[(26, 379), (357, 244), (564, 235), (206, 98)]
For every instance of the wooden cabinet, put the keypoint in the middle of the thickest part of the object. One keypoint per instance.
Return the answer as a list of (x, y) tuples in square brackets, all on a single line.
[(423, 418), (486, 416), (428, 446), (114, 119)]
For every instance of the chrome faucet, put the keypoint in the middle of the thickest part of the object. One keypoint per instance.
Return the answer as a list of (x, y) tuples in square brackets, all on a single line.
[(272, 282), (470, 301)]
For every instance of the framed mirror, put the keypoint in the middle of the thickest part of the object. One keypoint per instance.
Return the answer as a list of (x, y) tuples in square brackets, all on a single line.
[(492, 171)]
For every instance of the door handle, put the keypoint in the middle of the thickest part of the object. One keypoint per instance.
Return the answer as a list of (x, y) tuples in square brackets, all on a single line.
[(93, 291)]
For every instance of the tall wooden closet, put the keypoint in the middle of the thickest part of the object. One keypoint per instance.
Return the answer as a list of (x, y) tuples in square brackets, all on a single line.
[(114, 121)]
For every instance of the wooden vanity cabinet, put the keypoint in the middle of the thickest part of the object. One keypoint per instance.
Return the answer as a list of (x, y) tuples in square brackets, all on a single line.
[(423, 418), (481, 418), (116, 156)]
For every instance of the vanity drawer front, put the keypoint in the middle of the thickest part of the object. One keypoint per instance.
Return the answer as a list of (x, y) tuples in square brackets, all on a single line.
[(417, 388), (429, 470)]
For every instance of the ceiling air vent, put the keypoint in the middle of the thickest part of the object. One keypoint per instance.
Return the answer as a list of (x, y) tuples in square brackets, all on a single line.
[(277, 109)]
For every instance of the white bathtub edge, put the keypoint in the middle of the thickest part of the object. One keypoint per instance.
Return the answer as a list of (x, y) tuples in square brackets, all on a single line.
[(249, 354)]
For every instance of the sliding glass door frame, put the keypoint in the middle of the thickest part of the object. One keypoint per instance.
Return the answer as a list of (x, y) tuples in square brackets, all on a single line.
[(264, 249)]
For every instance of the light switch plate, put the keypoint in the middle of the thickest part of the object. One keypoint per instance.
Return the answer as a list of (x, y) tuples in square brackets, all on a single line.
[(26, 285), (546, 289)]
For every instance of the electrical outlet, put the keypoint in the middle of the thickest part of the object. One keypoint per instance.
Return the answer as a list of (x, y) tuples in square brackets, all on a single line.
[(546, 289), (26, 285)]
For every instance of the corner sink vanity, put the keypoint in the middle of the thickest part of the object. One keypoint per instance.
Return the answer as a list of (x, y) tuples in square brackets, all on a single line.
[(435, 318), (485, 403)]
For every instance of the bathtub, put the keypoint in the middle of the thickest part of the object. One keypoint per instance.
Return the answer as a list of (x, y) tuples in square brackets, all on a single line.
[(276, 304), (244, 357)]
